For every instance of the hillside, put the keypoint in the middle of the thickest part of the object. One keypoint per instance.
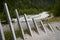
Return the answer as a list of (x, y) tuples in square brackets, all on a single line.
[(26, 6)]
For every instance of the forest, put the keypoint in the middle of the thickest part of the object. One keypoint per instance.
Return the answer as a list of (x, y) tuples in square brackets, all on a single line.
[(30, 7)]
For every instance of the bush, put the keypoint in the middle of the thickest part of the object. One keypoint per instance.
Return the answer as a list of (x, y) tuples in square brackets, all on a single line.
[(56, 9), (29, 11)]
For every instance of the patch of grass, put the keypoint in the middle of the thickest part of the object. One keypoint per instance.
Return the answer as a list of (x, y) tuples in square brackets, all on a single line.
[(54, 19), (27, 31), (57, 28), (34, 29), (8, 34), (18, 33)]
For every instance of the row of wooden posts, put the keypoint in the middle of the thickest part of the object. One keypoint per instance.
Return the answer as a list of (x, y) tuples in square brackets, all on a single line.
[(19, 24)]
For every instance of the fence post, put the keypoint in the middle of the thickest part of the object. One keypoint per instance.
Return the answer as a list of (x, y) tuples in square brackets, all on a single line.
[(2, 32), (35, 25), (43, 26), (50, 27), (20, 26), (28, 25), (9, 21)]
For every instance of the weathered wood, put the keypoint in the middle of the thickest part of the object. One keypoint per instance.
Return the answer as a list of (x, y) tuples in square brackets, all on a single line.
[(19, 23), (9, 21)]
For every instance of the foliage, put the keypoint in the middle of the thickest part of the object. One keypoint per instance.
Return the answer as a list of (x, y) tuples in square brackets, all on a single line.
[(25, 6), (29, 11), (56, 9)]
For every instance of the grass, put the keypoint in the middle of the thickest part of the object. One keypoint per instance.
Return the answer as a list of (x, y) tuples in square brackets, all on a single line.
[(27, 31), (57, 28), (54, 19), (8, 34)]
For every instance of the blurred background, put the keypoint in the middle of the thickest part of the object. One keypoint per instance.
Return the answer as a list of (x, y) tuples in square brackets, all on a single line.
[(30, 7)]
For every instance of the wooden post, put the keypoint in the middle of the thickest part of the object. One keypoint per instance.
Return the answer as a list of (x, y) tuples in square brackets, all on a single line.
[(9, 21), (50, 27), (28, 25), (20, 26), (35, 25), (1, 31), (43, 25)]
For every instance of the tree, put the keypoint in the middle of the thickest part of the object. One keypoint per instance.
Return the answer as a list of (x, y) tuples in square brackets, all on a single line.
[(56, 10)]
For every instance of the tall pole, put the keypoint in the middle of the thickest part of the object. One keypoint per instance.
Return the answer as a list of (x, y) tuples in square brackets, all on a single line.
[(28, 25), (20, 26), (50, 27), (2, 32), (35, 25), (43, 26), (9, 21)]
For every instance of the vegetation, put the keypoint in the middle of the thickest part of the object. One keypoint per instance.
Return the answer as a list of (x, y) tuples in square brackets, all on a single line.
[(29, 7), (8, 34), (54, 19), (56, 9), (25, 6)]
